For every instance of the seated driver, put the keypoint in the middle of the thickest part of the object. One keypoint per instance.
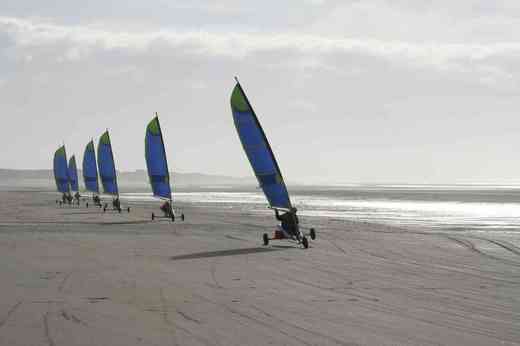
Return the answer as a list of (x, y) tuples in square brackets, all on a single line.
[(116, 204), (166, 209), (289, 222)]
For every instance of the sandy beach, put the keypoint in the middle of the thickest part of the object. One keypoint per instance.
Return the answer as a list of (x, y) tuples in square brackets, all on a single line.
[(76, 276)]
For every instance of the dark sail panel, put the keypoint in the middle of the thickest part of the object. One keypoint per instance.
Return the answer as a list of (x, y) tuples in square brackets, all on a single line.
[(90, 171), (73, 174)]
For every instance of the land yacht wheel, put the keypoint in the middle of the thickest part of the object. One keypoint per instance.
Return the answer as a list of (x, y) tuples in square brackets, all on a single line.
[(305, 243), (265, 238), (312, 233)]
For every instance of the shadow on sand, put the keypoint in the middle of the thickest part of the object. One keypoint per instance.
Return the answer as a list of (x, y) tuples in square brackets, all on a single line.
[(233, 252)]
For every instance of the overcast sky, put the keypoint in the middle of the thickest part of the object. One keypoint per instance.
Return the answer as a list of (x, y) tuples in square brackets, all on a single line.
[(416, 91)]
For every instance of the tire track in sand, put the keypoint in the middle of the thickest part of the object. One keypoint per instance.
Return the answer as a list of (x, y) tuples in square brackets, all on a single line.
[(63, 282), (503, 244), (11, 311), (275, 326), (50, 340), (166, 318), (472, 247)]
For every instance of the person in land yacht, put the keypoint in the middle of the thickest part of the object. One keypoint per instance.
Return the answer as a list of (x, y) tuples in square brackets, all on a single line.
[(167, 210), (289, 222), (116, 204), (76, 197)]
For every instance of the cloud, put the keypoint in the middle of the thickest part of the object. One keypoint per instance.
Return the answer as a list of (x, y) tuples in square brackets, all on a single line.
[(82, 40), (352, 105)]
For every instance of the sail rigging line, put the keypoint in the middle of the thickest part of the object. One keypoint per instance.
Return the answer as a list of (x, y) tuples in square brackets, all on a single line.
[(165, 158), (264, 178)]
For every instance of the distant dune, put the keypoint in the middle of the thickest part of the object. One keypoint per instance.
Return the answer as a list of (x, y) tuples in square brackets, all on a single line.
[(136, 180)]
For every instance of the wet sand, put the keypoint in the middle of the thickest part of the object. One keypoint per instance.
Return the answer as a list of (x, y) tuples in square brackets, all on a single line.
[(76, 276)]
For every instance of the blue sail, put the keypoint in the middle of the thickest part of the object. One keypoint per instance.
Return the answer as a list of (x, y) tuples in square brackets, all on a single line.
[(107, 168), (90, 171), (61, 174), (156, 162), (258, 150), (73, 174)]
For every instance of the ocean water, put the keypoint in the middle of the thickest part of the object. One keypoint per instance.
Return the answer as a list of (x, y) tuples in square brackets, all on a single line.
[(454, 207)]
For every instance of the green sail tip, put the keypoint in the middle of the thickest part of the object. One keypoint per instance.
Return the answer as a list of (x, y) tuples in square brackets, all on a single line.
[(238, 100), (105, 139), (60, 151), (153, 126), (90, 146)]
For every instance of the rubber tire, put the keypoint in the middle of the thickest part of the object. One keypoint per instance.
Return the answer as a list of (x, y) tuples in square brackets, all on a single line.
[(119, 210), (86, 204), (173, 218), (265, 238), (305, 243), (153, 216), (312, 233), (128, 210), (104, 209), (182, 217)]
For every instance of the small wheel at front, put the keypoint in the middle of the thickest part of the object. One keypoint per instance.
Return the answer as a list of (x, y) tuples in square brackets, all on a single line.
[(265, 238), (305, 243), (153, 216), (312, 233)]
